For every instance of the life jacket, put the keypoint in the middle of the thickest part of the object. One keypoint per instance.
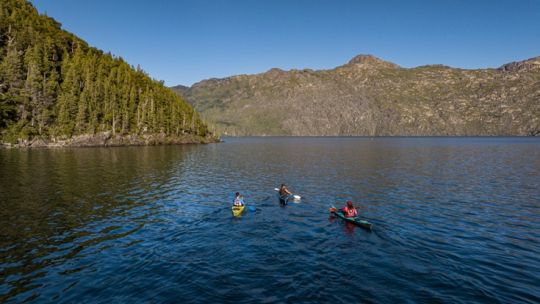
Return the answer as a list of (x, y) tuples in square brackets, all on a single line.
[(349, 212), (238, 201)]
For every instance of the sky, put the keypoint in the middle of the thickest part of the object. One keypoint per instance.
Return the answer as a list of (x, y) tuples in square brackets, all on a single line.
[(183, 42)]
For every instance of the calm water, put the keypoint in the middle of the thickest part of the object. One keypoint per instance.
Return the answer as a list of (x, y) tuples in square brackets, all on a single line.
[(456, 220)]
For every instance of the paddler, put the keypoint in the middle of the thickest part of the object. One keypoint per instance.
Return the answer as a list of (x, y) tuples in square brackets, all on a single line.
[(283, 191), (349, 211), (284, 194), (238, 199)]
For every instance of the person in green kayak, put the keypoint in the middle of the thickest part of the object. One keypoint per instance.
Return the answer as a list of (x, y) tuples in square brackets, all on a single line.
[(349, 211), (238, 199)]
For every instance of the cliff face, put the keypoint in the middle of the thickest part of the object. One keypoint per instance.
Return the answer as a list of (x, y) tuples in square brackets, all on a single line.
[(369, 96)]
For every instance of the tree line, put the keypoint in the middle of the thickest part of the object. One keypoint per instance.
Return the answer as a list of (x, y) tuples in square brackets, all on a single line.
[(52, 84)]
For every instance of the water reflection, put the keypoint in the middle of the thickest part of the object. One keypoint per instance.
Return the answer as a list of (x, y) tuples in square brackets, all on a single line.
[(58, 205)]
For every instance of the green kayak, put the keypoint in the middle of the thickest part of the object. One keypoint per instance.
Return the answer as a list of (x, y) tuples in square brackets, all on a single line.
[(355, 220)]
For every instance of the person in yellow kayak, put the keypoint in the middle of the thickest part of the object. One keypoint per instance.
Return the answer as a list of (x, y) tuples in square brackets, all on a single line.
[(349, 211), (238, 199)]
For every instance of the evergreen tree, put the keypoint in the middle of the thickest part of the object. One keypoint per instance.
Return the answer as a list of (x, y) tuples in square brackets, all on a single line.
[(11, 84)]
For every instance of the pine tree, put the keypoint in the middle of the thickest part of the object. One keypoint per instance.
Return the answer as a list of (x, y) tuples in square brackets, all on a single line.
[(11, 84), (33, 87), (66, 104)]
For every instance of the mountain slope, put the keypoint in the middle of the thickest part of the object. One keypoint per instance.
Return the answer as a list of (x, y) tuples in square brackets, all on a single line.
[(54, 87), (372, 97)]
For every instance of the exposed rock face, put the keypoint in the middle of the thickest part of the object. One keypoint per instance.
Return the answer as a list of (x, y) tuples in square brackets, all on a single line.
[(368, 61), (372, 97)]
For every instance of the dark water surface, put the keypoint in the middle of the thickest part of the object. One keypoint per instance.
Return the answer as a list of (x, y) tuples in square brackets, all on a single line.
[(456, 220)]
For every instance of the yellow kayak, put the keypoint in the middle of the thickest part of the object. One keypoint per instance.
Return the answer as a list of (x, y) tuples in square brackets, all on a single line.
[(238, 210)]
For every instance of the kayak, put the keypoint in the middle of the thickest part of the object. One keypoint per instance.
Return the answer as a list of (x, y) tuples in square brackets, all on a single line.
[(238, 210), (355, 220)]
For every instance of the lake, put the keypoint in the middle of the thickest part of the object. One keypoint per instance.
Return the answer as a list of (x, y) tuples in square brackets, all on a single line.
[(456, 220)]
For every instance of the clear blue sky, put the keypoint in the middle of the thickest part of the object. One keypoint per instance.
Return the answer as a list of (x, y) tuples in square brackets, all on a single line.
[(182, 42)]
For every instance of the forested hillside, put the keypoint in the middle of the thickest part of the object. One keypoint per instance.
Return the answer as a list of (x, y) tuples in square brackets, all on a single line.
[(53, 87)]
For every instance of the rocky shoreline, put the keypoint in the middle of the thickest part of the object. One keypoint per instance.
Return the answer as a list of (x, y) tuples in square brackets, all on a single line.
[(107, 139)]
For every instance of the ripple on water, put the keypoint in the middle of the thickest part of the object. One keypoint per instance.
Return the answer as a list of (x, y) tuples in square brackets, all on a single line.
[(455, 221)]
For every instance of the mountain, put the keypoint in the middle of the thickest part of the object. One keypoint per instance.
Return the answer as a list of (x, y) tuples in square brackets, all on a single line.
[(371, 97), (180, 89), (57, 90)]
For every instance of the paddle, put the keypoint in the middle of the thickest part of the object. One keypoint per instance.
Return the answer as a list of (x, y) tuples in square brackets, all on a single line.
[(297, 197)]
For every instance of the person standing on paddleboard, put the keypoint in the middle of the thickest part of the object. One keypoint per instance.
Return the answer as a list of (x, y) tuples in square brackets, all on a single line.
[(284, 194), (283, 191), (349, 211)]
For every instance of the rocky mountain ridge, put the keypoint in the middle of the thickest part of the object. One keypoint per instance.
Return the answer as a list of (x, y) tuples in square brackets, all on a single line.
[(371, 97)]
